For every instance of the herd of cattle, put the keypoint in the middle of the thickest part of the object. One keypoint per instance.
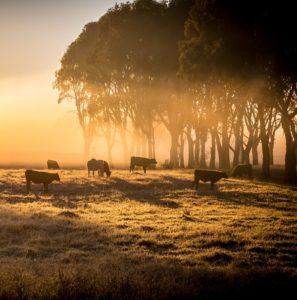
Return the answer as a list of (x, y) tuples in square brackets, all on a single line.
[(102, 167)]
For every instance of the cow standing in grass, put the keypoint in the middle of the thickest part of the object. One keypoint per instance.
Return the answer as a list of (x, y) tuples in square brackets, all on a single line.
[(98, 165), (242, 170), (52, 165), (141, 162), (40, 177), (207, 175)]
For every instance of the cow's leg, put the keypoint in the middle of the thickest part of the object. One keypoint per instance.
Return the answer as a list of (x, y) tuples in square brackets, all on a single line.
[(45, 187), (144, 170), (132, 168), (196, 183), (93, 173), (28, 186), (88, 173), (211, 185)]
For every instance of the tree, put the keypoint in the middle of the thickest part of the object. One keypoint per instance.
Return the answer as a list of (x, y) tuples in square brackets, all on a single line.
[(250, 43), (72, 85)]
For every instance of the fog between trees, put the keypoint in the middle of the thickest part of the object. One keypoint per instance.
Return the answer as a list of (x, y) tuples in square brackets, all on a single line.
[(219, 76)]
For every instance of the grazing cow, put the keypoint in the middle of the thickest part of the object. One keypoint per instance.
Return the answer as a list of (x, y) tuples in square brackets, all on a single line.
[(40, 177), (207, 175), (242, 170), (98, 165), (52, 165), (141, 162)]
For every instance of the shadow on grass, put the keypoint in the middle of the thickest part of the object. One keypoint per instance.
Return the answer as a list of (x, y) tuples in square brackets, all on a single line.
[(150, 192), (260, 200)]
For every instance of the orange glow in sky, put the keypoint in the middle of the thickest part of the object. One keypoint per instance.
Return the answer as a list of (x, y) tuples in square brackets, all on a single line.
[(34, 36)]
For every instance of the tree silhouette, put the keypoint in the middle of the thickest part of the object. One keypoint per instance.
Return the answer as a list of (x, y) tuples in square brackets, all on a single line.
[(219, 76)]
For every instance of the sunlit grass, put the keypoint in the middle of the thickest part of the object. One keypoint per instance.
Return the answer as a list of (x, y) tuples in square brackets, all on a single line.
[(143, 223)]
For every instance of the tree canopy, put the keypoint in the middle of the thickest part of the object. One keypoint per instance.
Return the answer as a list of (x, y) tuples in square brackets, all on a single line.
[(217, 75)]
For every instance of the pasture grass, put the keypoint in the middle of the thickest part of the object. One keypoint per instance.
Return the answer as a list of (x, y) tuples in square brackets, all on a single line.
[(152, 236)]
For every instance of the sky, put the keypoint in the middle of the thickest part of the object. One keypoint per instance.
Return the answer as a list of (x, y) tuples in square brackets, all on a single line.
[(34, 35)]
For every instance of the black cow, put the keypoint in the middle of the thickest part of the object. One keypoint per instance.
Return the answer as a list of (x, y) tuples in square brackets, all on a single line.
[(40, 177), (242, 170), (207, 175), (141, 162), (98, 165), (52, 165)]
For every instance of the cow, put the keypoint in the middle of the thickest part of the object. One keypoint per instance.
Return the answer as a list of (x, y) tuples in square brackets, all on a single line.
[(40, 177), (98, 165), (141, 162), (52, 165), (207, 175), (242, 170)]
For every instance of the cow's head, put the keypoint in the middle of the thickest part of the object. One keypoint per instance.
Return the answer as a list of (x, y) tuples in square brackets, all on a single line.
[(57, 177), (153, 161), (108, 173)]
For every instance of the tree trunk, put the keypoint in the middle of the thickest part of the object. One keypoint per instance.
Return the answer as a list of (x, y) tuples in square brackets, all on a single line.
[(197, 151), (247, 150), (212, 162), (225, 147), (242, 155), (271, 148), (255, 153), (238, 142), (220, 151), (241, 150), (181, 152), (151, 142), (265, 146), (290, 157), (202, 162), (290, 164), (173, 149), (246, 156), (190, 149)]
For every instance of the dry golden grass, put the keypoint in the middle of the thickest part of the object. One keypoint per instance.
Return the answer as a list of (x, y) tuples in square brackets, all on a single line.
[(145, 236)]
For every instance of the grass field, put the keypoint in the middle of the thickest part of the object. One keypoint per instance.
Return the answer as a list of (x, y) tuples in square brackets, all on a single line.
[(146, 237)]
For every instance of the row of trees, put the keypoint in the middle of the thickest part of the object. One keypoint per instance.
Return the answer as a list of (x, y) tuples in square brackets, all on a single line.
[(219, 76)]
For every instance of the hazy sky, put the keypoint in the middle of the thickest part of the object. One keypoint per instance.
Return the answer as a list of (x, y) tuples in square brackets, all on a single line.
[(34, 35)]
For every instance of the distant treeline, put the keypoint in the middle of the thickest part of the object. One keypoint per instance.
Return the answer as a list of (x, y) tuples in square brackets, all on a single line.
[(219, 75)]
